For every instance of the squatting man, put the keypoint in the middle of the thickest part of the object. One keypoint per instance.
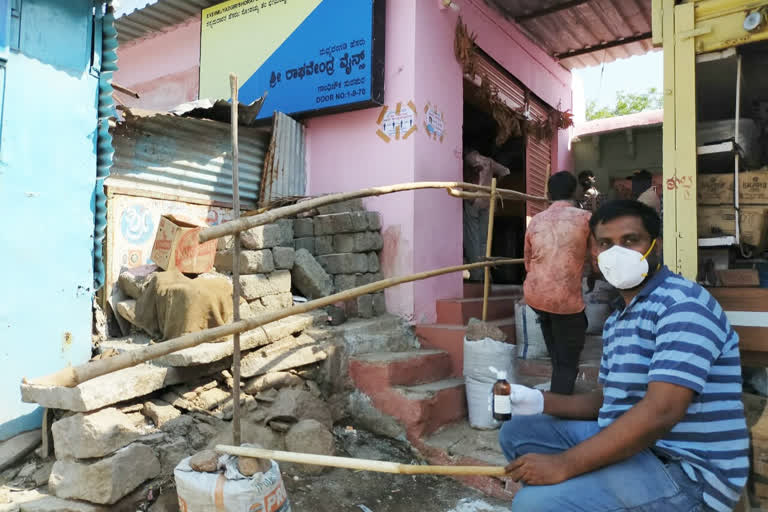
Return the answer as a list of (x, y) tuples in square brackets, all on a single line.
[(665, 430)]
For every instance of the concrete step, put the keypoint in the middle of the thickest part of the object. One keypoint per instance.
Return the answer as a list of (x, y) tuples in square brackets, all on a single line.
[(379, 370), (459, 311), (460, 444), (450, 338), (424, 408)]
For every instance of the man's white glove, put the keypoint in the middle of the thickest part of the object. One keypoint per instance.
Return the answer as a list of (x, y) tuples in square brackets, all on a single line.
[(526, 401)]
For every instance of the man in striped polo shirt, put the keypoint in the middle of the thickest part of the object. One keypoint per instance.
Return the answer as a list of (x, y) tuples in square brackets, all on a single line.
[(665, 430)]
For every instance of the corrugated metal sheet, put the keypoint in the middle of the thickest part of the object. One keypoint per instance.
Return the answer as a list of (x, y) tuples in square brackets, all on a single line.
[(538, 159), (582, 26), (510, 91), (186, 158), (285, 173), (157, 16)]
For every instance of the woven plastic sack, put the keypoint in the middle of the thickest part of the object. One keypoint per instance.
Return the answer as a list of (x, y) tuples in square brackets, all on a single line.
[(479, 356)]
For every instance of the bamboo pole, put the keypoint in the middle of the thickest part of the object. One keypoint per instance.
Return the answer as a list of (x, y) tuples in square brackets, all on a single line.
[(488, 242), (236, 431), (268, 217), (379, 466), (74, 375)]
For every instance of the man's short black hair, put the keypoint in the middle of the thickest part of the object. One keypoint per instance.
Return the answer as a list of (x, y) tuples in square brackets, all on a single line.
[(585, 175), (562, 186), (611, 210)]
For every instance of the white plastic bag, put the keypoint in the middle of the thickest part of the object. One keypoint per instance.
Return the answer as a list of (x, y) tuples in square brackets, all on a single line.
[(479, 356), (230, 491)]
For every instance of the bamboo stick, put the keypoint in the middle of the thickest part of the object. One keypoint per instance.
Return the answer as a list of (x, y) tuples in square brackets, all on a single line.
[(379, 466), (74, 375), (488, 242), (234, 122), (268, 217)]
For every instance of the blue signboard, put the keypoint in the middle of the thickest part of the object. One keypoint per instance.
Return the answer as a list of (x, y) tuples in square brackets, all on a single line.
[(308, 56)]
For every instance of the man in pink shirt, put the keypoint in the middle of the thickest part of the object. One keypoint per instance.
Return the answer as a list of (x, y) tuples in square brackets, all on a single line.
[(556, 250)]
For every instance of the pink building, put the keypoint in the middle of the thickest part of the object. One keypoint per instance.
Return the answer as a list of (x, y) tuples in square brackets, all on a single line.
[(159, 57)]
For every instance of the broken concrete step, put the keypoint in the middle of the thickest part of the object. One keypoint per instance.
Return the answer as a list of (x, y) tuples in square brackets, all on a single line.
[(211, 352), (377, 370), (114, 387)]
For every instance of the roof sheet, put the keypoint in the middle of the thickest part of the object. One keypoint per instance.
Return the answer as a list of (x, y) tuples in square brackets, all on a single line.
[(157, 16), (581, 25)]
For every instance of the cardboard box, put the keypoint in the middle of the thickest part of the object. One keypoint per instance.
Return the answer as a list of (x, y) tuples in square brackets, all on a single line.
[(176, 246), (738, 277), (715, 221), (753, 187), (714, 189)]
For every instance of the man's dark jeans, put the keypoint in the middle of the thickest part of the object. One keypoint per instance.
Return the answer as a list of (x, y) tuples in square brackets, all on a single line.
[(564, 336)]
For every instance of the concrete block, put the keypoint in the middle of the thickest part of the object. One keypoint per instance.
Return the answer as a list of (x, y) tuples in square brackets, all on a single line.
[(307, 243), (348, 222), (357, 242), (107, 480), (323, 245), (271, 303), (303, 228), (347, 263), (16, 448), (368, 278), (309, 277), (374, 265), (379, 304), (85, 436), (344, 206), (374, 221), (344, 242), (268, 235), (344, 282), (255, 286), (251, 262), (283, 257), (364, 306), (225, 243)]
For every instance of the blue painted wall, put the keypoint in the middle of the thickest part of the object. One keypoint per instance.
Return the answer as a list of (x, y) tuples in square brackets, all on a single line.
[(47, 178)]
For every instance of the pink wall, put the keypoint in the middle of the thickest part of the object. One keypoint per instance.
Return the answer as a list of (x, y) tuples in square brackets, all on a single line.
[(164, 69), (422, 230)]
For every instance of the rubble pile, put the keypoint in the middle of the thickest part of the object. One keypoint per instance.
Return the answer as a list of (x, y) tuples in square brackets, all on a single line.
[(118, 437)]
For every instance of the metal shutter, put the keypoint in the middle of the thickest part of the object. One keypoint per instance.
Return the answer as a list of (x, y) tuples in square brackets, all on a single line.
[(538, 160)]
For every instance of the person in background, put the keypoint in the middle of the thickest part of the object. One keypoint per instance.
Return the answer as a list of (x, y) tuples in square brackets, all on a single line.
[(644, 191), (478, 169), (556, 249), (665, 429), (590, 197)]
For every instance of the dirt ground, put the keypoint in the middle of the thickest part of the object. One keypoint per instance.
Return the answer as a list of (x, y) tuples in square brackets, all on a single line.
[(339, 490)]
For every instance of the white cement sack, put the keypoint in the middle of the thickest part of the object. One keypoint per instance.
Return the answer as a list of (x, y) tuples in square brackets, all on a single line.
[(230, 491), (479, 397), (598, 305), (530, 339), (480, 355)]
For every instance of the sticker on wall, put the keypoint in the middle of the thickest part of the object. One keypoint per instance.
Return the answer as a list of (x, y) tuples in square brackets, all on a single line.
[(398, 123), (434, 123)]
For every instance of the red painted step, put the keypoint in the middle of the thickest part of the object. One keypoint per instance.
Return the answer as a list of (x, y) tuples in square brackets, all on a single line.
[(459, 311), (450, 338), (380, 370)]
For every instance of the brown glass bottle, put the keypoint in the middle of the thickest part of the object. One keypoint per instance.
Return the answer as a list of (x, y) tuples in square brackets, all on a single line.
[(502, 407)]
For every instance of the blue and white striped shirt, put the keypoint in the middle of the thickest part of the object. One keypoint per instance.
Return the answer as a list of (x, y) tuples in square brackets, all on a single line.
[(674, 331)]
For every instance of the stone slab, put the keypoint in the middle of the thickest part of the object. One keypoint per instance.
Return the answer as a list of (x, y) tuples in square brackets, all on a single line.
[(18, 447), (84, 436), (53, 504), (283, 355), (107, 480), (271, 303), (259, 285), (114, 387), (207, 353)]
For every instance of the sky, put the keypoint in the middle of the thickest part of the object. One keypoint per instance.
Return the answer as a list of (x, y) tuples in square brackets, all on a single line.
[(635, 74)]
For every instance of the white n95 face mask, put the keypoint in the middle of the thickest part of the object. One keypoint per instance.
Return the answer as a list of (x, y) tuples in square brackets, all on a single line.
[(624, 268)]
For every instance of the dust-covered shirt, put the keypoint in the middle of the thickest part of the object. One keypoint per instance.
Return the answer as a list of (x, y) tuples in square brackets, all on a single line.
[(555, 252), (674, 331)]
